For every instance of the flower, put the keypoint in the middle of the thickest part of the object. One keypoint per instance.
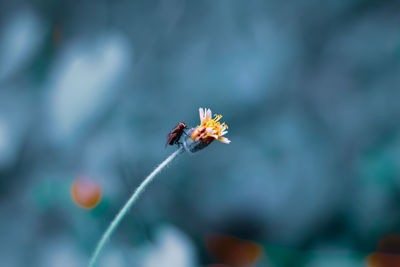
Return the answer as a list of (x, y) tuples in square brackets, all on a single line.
[(209, 129)]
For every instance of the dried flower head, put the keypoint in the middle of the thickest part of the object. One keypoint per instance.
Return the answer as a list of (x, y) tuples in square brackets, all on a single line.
[(209, 130)]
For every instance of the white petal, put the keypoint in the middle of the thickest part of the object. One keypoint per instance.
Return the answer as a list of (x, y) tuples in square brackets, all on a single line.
[(224, 140), (210, 130), (201, 112), (208, 114)]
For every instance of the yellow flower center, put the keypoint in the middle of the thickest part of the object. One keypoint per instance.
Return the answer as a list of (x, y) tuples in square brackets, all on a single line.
[(209, 128), (216, 125)]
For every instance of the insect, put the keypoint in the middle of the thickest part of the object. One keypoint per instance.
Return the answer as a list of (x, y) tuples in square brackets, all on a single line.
[(175, 134)]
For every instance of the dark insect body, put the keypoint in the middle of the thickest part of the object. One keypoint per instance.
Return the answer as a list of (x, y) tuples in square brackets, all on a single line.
[(175, 134)]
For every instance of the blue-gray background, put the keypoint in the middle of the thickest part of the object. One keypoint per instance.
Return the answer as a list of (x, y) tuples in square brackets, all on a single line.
[(309, 89)]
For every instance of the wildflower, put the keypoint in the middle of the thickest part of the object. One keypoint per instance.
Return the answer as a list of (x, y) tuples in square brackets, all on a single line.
[(208, 131), (200, 137)]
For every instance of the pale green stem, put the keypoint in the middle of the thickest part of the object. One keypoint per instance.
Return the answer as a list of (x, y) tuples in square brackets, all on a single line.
[(121, 214)]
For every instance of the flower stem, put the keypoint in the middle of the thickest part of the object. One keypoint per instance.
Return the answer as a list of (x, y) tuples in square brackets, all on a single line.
[(121, 214)]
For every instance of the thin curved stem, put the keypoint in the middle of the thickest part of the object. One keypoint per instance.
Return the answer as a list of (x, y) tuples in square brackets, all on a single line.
[(121, 214)]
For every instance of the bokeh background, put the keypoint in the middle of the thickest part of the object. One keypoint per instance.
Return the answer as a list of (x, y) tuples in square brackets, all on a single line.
[(310, 91)]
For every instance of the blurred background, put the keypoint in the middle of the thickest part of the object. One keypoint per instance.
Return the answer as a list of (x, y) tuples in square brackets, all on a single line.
[(310, 90)]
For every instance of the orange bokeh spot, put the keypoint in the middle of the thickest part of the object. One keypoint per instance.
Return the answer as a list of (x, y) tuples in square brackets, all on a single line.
[(379, 259), (389, 243), (86, 192), (233, 251), (388, 252)]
